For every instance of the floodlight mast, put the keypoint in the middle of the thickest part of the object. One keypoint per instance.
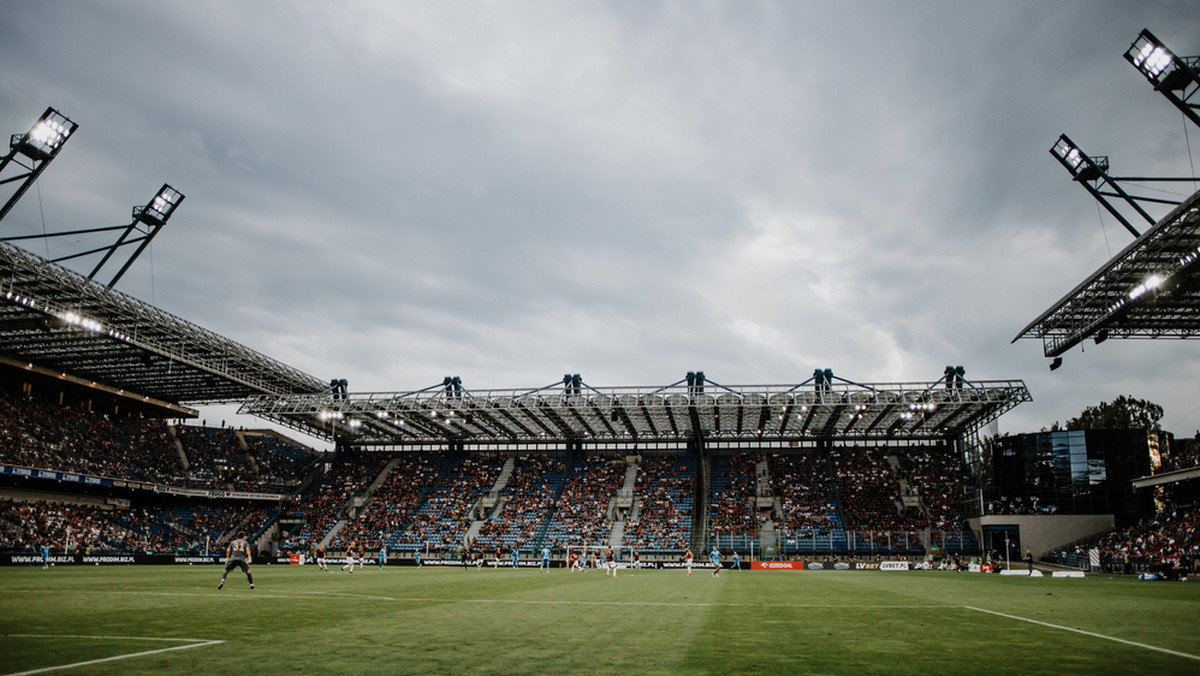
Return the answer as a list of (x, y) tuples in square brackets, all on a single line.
[(1092, 174), (37, 147), (1173, 76), (154, 216)]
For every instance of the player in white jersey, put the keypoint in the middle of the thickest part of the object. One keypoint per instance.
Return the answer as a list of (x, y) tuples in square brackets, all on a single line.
[(351, 556)]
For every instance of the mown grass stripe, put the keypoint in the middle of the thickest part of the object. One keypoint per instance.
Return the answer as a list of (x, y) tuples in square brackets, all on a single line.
[(1093, 634), (107, 659)]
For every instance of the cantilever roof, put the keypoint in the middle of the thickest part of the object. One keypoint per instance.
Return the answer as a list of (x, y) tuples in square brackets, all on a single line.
[(1151, 289), (55, 318), (675, 413)]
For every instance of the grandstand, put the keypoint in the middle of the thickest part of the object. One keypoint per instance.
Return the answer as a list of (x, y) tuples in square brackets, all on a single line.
[(100, 450), (100, 433), (94, 378), (97, 386)]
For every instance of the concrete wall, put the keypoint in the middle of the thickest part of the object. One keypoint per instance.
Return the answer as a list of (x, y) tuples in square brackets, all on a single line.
[(1043, 532)]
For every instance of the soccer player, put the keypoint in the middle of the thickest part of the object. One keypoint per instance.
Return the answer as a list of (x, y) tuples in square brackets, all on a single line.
[(545, 560), (610, 560), (382, 556), (715, 555), (516, 556), (418, 558), (687, 558), (574, 562), (237, 555), (45, 556), (321, 560), (351, 556), (737, 564), (637, 560)]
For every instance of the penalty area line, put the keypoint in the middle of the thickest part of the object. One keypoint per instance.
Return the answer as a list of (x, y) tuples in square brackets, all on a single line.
[(114, 658), (1093, 634)]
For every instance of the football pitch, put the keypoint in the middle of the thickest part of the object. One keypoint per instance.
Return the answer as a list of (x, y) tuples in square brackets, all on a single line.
[(172, 619)]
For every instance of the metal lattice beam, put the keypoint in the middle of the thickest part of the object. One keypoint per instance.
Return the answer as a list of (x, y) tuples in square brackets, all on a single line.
[(1151, 289), (842, 410), (59, 319)]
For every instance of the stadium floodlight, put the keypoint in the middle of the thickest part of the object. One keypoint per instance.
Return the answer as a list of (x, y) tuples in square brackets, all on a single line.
[(38, 147), (160, 208), (46, 137), (154, 216), (1082, 167), (1173, 76), (1092, 174)]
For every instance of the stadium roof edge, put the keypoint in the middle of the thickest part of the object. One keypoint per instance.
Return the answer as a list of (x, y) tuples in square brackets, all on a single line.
[(1106, 295), (630, 415), (60, 320)]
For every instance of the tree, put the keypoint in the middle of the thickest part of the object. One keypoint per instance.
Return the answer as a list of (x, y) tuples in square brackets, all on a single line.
[(1124, 413)]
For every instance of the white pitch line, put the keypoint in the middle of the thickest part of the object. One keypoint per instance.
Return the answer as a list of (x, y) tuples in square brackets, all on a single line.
[(113, 658), (1088, 633)]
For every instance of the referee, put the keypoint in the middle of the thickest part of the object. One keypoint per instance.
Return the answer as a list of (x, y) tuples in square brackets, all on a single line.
[(237, 556)]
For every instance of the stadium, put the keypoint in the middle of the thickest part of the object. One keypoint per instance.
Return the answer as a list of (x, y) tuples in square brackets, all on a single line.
[(832, 525)]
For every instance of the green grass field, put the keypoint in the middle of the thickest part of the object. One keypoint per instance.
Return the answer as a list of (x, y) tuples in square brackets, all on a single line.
[(172, 619)]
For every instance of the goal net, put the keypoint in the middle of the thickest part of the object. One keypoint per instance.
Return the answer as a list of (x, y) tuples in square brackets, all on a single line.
[(592, 556)]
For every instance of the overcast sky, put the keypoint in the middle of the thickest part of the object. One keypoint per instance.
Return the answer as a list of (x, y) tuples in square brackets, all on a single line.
[(394, 192)]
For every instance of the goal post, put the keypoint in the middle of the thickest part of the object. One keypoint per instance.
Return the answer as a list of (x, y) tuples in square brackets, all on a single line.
[(584, 550)]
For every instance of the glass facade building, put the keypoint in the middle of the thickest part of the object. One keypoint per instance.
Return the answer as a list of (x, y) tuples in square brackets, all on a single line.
[(1074, 472)]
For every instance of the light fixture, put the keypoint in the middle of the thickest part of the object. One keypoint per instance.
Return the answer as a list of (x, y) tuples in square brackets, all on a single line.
[(160, 208), (38, 146), (1149, 57), (1174, 77), (1056, 363), (1077, 162), (46, 137)]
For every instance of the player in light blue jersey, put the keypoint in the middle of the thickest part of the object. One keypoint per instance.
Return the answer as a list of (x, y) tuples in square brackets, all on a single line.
[(516, 556), (418, 558), (382, 557), (545, 560), (715, 555), (737, 563), (45, 556)]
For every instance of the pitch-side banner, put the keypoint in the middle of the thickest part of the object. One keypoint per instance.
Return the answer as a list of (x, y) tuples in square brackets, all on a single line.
[(104, 559), (777, 565)]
